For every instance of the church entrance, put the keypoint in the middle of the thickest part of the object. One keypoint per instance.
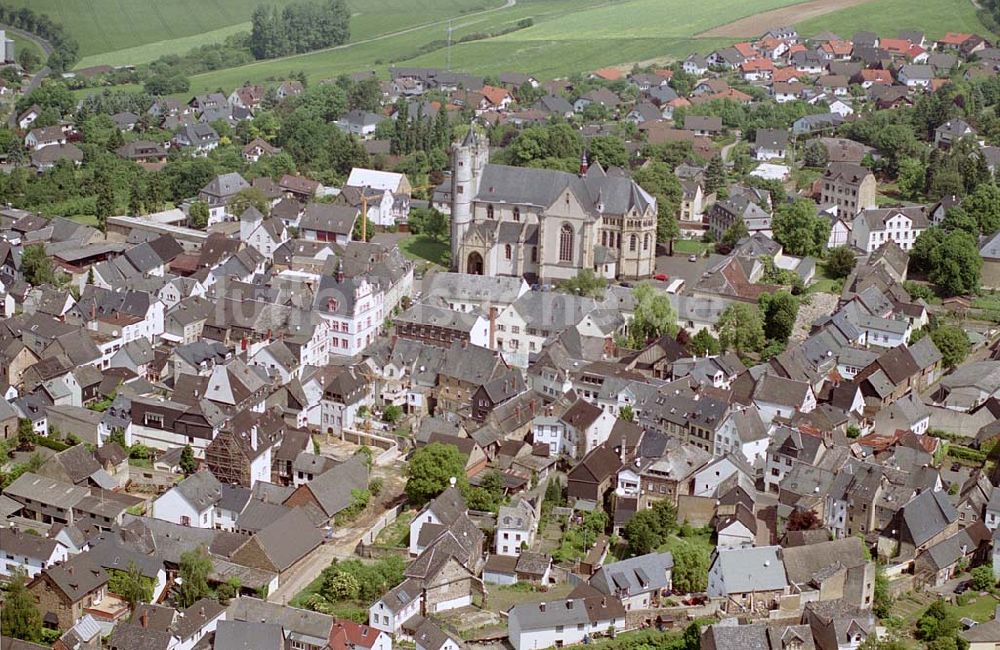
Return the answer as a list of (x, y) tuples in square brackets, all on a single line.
[(475, 264)]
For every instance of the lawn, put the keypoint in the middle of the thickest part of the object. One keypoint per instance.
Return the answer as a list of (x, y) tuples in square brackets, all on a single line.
[(978, 608), (887, 17), (688, 246), (420, 247), (21, 44), (397, 534), (822, 283)]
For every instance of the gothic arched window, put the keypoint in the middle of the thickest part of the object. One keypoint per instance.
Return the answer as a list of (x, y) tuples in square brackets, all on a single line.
[(566, 243), (632, 242), (645, 242), (506, 251)]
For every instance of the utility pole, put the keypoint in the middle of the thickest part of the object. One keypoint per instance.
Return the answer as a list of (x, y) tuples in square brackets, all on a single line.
[(449, 45)]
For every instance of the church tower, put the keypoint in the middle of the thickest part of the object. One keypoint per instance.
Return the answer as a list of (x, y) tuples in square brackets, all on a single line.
[(467, 162)]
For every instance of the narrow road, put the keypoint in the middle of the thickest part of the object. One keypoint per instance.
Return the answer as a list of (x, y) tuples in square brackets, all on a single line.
[(38, 77)]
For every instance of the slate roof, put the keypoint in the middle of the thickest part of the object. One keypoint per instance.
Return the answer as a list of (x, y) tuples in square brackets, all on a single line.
[(201, 489), (645, 573), (746, 570), (332, 489), (927, 515)]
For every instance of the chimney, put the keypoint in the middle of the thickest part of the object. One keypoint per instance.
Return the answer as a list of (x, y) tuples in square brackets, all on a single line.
[(340, 271), (493, 327), (93, 311), (584, 164), (541, 607), (253, 437), (569, 604)]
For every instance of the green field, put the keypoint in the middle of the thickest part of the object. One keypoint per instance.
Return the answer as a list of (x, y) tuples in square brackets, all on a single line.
[(106, 27), (22, 44), (887, 17)]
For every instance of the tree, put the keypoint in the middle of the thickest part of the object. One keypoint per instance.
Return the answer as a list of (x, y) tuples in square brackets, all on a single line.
[(19, 616), (715, 175), (37, 266), (654, 316), (779, 310), (585, 283), (648, 529), (953, 343), (740, 328), (658, 179), (228, 590), (199, 214), (430, 471), (28, 59), (188, 464), (250, 197), (105, 205), (342, 587), (804, 520), (955, 263), (911, 178), (703, 343), (691, 563), (814, 154), (429, 222), (983, 205), (626, 413), (799, 229), (882, 597), (195, 566), (734, 234), (117, 435), (131, 585), (392, 413), (840, 262), (608, 150), (982, 578), (488, 496), (938, 622)]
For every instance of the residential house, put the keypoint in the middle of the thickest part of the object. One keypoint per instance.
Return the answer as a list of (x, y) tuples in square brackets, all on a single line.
[(563, 622), (638, 582), (749, 579), (849, 186), (873, 227)]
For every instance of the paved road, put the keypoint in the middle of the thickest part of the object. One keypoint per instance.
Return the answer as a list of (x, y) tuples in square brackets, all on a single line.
[(38, 77)]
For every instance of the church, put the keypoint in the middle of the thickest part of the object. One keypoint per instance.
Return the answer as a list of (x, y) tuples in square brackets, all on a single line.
[(546, 225)]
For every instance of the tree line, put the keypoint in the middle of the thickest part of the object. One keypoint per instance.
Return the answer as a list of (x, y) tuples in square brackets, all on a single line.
[(66, 51), (299, 27)]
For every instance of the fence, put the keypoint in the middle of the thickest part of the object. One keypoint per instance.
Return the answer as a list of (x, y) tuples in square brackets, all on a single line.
[(388, 446), (388, 517)]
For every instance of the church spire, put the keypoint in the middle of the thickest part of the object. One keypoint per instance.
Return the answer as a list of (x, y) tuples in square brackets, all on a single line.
[(584, 164)]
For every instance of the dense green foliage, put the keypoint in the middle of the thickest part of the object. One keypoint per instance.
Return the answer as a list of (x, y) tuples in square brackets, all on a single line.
[(430, 469), (301, 26)]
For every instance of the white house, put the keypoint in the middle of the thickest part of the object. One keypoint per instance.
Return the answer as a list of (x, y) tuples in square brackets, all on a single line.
[(565, 622), (397, 606), (28, 554), (739, 530), (875, 226), (780, 397), (516, 528), (992, 520), (705, 482), (434, 518), (192, 502)]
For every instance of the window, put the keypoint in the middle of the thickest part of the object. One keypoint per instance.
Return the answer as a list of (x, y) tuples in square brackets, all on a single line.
[(632, 241), (566, 243), (517, 213), (489, 211), (506, 251), (645, 242)]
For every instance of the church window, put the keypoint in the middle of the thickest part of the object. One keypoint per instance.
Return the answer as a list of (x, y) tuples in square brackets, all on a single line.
[(506, 251), (489, 211), (645, 242), (632, 241), (534, 253), (517, 213), (566, 243), (604, 238)]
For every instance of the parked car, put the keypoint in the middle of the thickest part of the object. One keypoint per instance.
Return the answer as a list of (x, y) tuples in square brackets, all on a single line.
[(662, 277), (692, 258)]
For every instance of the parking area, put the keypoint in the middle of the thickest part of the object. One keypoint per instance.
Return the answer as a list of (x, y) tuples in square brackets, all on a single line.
[(678, 266)]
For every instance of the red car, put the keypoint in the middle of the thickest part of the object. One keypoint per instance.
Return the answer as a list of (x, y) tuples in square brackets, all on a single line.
[(662, 277)]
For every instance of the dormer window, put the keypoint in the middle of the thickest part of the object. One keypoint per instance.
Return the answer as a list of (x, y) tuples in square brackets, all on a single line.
[(489, 211)]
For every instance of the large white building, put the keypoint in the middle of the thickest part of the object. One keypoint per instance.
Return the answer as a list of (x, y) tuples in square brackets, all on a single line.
[(874, 227)]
